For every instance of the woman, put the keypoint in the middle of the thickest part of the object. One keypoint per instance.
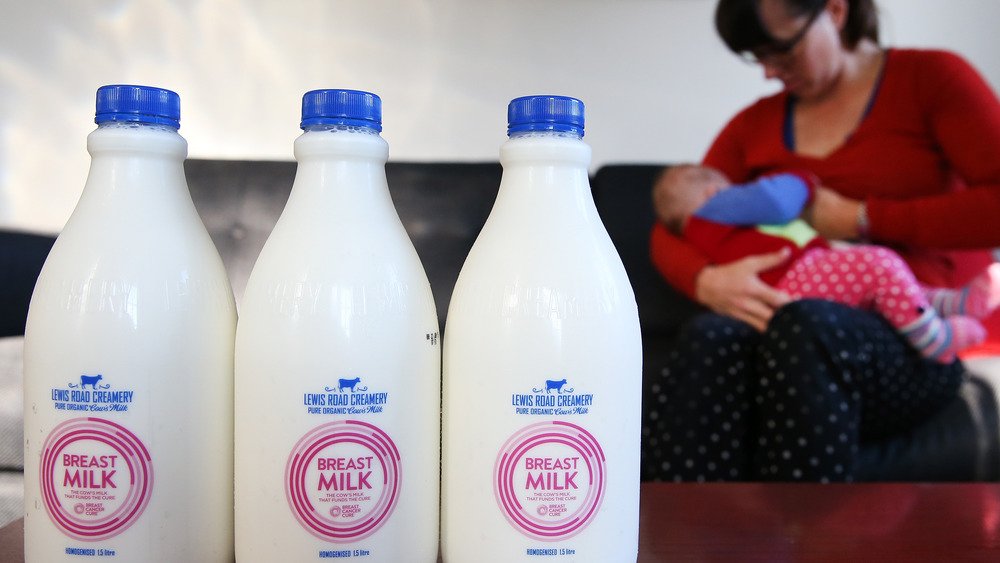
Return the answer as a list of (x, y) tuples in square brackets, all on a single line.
[(907, 146)]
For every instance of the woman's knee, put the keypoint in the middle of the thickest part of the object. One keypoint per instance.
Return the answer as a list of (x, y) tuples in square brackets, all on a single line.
[(799, 341), (710, 327), (806, 318), (712, 356)]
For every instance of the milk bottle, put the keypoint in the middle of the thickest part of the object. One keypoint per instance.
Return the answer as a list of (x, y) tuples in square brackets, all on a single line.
[(128, 359), (542, 365), (338, 362)]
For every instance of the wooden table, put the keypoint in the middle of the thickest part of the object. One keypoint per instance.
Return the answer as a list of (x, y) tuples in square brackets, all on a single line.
[(791, 522), (811, 522)]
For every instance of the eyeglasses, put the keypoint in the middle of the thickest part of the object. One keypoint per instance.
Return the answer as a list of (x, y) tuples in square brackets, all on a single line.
[(779, 53)]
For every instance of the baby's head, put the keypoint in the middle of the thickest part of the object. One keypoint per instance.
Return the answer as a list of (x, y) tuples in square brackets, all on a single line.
[(683, 189)]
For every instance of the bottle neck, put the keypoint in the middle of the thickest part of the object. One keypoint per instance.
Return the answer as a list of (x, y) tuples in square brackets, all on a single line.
[(545, 183), (340, 174), (546, 133), (340, 142), (135, 160), (546, 165), (550, 149), (119, 139)]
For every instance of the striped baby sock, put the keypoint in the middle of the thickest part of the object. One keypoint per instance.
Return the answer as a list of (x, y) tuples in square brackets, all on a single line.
[(941, 339), (977, 299)]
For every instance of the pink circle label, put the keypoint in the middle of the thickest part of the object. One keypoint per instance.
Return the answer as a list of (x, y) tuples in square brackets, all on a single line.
[(342, 480), (96, 478), (549, 480)]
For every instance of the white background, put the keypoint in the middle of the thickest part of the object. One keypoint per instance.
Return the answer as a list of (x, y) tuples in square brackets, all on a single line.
[(657, 81)]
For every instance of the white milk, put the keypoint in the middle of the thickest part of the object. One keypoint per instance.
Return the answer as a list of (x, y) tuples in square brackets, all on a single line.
[(338, 363), (128, 363), (542, 367)]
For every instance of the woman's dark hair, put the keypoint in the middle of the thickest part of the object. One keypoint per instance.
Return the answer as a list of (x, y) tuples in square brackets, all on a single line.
[(738, 22)]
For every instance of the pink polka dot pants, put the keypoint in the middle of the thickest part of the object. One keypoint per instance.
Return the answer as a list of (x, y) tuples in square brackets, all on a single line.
[(871, 277)]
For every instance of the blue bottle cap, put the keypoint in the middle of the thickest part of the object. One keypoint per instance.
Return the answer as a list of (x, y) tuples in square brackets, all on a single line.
[(341, 107), (545, 113), (141, 104)]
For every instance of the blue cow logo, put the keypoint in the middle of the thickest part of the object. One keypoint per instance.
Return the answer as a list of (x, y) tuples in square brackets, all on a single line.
[(551, 384), (350, 384), (91, 380)]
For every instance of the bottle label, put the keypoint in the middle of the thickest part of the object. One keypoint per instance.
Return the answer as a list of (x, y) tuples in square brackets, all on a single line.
[(342, 480), (93, 394), (348, 397), (549, 480), (552, 398), (96, 478)]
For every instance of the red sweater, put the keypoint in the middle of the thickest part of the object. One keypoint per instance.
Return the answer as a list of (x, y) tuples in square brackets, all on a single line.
[(926, 159)]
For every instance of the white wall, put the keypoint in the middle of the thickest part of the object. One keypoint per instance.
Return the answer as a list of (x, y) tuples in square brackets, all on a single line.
[(657, 82)]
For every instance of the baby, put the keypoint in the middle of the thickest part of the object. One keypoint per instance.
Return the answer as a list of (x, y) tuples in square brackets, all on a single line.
[(728, 222)]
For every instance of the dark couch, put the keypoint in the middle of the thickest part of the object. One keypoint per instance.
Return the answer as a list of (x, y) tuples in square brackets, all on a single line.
[(443, 206)]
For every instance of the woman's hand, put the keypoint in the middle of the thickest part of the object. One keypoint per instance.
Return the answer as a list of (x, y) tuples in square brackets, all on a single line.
[(736, 290), (834, 216)]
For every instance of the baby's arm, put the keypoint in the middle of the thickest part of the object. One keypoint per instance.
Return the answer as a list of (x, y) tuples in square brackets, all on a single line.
[(769, 200)]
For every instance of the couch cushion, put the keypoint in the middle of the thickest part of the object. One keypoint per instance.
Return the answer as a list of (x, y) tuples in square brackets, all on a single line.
[(11, 430), (11, 403), (443, 207), (623, 194), (11, 496), (239, 202), (960, 443), (21, 258)]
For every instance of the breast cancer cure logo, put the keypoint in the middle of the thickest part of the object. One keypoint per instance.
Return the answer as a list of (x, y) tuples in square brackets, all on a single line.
[(549, 480), (96, 478), (342, 480)]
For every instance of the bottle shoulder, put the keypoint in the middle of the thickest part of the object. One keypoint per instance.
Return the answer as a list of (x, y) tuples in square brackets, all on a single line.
[(296, 257), (577, 258), (81, 250), (133, 286), (339, 281)]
